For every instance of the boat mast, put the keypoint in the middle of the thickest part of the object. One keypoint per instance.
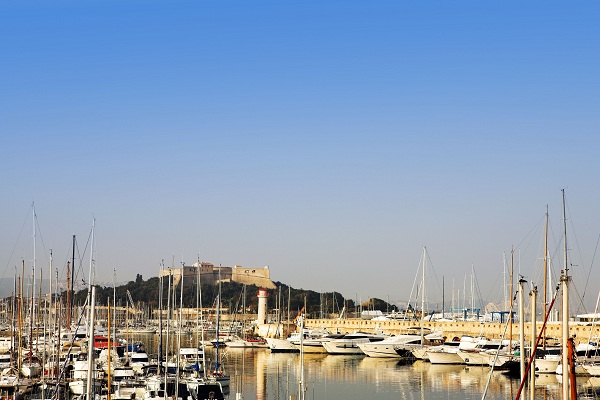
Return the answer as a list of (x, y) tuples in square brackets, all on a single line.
[(302, 382), (510, 311), (545, 302), (443, 298), (199, 301), (20, 322), (160, 320), (533, 300), (91, 273), (51, 318), (423, 294), (166, 362), (472, 290), (90, 360), (114, 304), (110, 372), (178, 363), (31, 317), (504, 281), (564, 280), (217, 360), (15, 305), (522, 327), (33, 313), (288, 305), (70, 289)]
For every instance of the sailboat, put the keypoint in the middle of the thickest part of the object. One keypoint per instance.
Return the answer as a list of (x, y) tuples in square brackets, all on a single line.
[(202, 387), (31, 366), (217, 372), (415, 343)]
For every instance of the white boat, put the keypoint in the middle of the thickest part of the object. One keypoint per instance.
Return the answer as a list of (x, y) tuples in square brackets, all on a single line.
[(277, 345), (579, 369), (504, 359), (201, 389), (122, 373), (314, 345), (444, 355), (288, 345), (138, 360), (31, 366), (477, 355), (312, 340), (349, 343), (592, 369), (191, 358), (547, 364), (141, 330), (246, 343), (5, 360), (128, 389), (417, 350), (6, 343), (448, 352), (388, 348), (77, 386)]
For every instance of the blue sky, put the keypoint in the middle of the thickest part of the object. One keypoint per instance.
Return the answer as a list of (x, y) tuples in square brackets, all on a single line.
[(328, 140)]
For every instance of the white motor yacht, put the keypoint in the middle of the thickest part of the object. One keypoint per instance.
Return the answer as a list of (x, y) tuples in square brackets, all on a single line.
[(349, 343)]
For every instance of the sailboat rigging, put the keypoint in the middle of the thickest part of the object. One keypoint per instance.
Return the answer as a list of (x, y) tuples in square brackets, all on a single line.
[(217, 373)]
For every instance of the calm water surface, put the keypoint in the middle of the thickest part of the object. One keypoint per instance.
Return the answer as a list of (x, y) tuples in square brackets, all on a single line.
[(262, 375)]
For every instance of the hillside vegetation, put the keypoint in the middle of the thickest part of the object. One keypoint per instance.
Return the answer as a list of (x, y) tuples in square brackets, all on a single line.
[(145, 295)]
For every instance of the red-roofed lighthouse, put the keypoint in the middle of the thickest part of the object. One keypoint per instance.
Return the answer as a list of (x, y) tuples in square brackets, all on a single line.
[(262, 305)]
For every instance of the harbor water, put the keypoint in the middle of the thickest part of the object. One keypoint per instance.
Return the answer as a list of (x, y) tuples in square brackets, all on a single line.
[(262, 375)]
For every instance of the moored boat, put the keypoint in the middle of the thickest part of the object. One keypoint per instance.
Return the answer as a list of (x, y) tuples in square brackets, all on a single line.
[(349, 343)]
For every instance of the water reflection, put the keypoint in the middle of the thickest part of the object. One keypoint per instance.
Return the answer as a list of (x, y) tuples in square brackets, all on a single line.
[(262, 375)]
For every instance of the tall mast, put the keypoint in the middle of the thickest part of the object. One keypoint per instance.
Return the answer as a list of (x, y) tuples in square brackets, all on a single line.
[(21, 295), (70, 285), (90, 360), (302, 379), (564, 279), (504, 281), (160, 322), (443, 298), (179, 325), (49, 304), (545, 302), (423, 293), (512, 258), (168, 323), (114, 305), (14, 313), (20, 316), (33, 273), (91, 274), (472, 289), (217, 364), (90, 285)]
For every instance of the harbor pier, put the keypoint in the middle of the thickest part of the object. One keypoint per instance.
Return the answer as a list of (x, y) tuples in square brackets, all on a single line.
[(492, 330)]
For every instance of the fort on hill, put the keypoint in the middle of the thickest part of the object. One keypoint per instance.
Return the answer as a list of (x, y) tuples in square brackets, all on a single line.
[(209, 274)]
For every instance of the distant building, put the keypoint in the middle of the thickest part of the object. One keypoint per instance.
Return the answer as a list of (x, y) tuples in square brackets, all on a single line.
[(210, 274), (260, 277), (590, 319)]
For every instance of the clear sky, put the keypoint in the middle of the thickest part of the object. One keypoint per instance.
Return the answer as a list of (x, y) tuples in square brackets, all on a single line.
[(329, 140)]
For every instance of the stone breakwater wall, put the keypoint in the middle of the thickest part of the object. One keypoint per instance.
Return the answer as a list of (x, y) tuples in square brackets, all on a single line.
[(581, 332)]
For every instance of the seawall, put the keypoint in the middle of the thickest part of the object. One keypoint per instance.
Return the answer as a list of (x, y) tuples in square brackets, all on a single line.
[(581, 332)]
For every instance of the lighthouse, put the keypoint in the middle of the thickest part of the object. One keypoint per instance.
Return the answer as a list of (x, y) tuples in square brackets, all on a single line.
[(262, 305)]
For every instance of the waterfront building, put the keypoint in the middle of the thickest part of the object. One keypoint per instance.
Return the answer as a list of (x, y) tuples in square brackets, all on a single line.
[(209, 273)]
